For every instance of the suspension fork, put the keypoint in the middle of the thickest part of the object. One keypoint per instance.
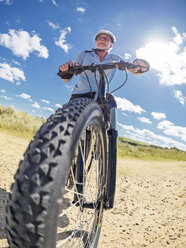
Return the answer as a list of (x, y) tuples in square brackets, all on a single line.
[(112, 161), (112, 147)]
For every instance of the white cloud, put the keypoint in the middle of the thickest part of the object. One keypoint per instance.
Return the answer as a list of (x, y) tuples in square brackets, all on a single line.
[(62, 40), (3, 91), (45, 101), (24, 96), (69, 87), (58, 105), (54, 26), (6, 98), (158, 115), (126, 105), (144, 119), (80, 9), (179, 96), (127, 56), (145, 135), (168, 60), (48, 109), (36, 105), (170, 129), (11, 73), (18, 83), (7, 2), (54, 2), (21, 43), (124, 114), (16, 62)]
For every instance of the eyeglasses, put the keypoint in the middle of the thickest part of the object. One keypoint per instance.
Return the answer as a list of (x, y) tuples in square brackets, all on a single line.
[(105, 38)]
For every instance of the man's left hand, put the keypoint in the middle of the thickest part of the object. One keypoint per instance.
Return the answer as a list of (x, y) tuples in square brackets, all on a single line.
[(139, 70)]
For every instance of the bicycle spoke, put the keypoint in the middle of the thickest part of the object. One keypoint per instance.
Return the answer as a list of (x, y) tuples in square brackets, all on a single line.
[(81, 227)]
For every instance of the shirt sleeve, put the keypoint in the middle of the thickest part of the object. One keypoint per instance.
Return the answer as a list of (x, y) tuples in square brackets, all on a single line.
[(79, 59)]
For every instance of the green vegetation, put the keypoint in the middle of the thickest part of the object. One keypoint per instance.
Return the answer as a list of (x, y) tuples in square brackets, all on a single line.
[(23, 124), (19, 123), (133, 149)]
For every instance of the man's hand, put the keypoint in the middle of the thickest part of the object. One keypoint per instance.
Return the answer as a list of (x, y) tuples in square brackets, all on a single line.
[(65, 66), (139, 70)]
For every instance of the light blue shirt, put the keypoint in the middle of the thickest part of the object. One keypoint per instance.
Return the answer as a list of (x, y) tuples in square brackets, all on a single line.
[(87, 58)]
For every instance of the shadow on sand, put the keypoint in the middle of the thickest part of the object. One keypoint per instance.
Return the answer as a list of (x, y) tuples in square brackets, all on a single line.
[(3, 202)]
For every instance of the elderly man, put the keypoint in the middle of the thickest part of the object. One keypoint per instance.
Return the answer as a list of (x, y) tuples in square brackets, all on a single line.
[(104, 41)]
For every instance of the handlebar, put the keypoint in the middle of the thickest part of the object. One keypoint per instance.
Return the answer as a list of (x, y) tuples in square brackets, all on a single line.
[(121, 65)]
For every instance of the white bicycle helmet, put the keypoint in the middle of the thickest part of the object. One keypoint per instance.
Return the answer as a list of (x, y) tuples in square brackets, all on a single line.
[(113, 38)]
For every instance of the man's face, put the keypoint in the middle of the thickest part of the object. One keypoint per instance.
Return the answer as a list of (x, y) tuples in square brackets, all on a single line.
[(103, 41)]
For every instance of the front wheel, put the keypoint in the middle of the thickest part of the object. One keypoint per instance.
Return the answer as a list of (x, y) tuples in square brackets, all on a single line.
[(58, 195)]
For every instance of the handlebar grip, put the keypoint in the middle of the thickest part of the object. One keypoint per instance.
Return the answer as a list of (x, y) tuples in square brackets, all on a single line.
[(147, 65), (65, 74), (61, 73), (124, 65)]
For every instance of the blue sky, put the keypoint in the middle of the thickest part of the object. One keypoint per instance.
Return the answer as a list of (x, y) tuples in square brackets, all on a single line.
[(36, 36)]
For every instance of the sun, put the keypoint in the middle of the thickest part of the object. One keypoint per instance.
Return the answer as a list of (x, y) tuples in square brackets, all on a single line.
[(166, 58), (157, 53)]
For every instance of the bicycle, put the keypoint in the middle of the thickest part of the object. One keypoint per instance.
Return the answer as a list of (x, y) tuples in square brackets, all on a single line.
[(68, 175)]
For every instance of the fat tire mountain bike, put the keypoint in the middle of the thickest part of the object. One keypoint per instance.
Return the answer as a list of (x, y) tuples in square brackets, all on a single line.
[(68, 175)]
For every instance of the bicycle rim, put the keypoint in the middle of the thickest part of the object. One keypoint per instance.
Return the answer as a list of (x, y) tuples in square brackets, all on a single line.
[(82, 207)]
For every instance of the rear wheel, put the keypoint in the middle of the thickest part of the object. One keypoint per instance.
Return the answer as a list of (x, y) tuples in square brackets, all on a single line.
[(58, 195)]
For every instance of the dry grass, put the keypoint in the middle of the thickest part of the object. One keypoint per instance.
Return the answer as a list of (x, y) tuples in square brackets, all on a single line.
[(137, 150), (23, 124), (19, 122)]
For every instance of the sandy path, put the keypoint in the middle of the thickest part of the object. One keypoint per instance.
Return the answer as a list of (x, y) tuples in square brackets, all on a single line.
[(150, 206), (11, 151)]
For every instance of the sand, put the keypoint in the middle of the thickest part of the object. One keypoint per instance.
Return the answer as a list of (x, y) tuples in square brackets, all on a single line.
[(150, 202)]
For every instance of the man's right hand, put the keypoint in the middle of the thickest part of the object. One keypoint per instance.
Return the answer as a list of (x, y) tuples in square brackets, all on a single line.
[(65, 66)]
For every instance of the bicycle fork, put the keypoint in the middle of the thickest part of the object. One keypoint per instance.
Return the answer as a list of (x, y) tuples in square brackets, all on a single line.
[(111, 166), (112, 161)]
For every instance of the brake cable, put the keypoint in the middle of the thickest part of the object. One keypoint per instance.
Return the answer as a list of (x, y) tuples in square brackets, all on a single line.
[(106, 79), (126, 74), (91, 93)]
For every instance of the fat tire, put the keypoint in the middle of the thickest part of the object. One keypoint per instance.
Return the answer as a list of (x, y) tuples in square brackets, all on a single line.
[(32, 211)]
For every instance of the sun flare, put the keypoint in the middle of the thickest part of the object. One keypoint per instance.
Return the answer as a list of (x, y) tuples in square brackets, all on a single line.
[(156, 52), (167, 59)]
